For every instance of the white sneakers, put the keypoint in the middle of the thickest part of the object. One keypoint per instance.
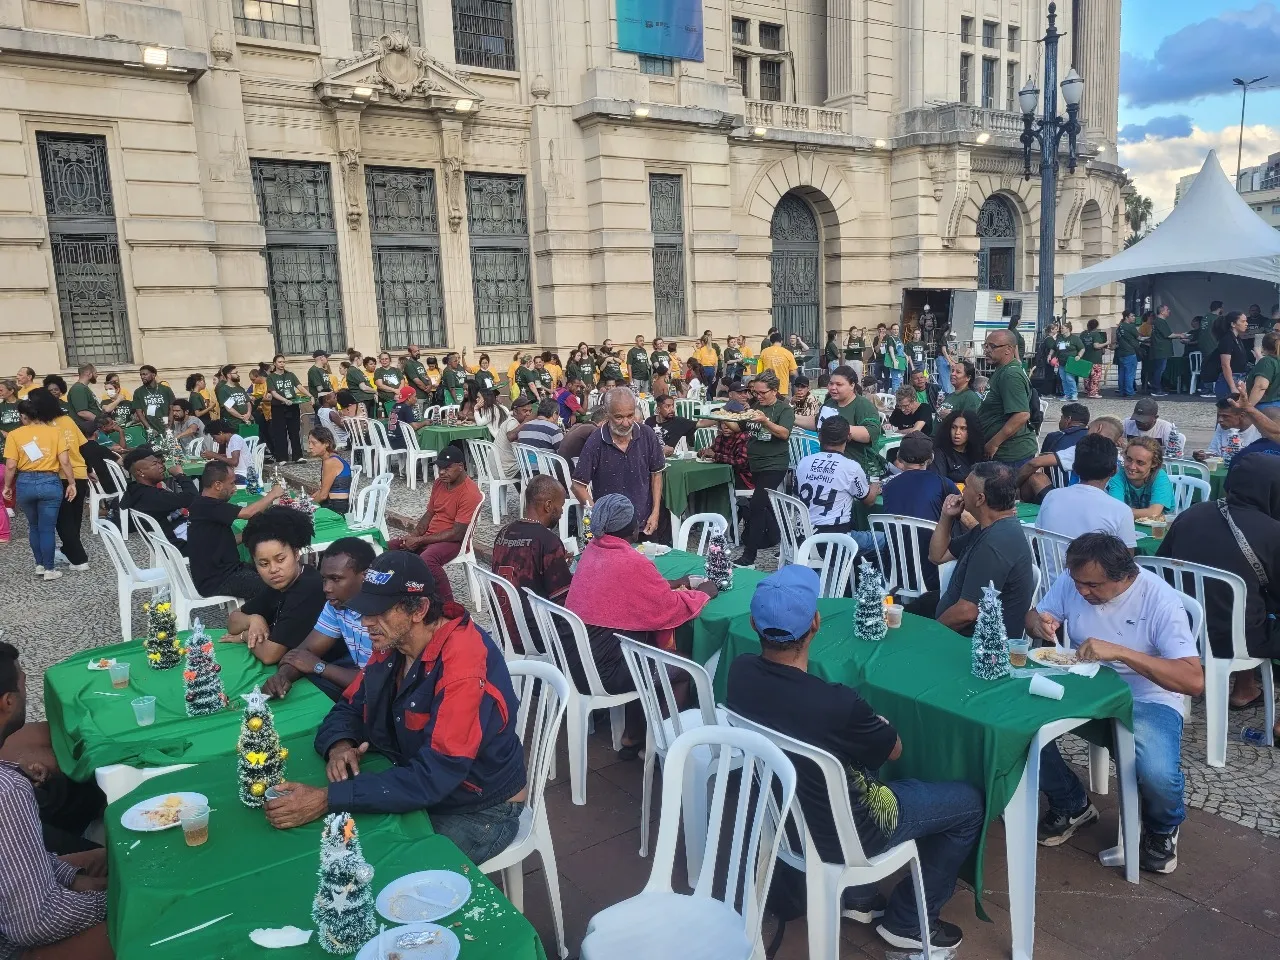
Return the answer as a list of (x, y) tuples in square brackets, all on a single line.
[(52, 574)]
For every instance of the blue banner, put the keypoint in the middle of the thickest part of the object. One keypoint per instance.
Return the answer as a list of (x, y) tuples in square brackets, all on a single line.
[(661, 28)]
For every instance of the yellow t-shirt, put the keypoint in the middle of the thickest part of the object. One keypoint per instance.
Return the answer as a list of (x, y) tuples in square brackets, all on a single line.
[(23, 391), (259, 392), (71, 433), (48, 437), (557, 373), (782, 362), (337, 381), (706, 356)]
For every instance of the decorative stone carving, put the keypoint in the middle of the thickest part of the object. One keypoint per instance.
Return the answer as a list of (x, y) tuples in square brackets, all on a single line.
[(394, 65), (540, 88), (348, 122), (933, 159), (454, 180), (221, 46)]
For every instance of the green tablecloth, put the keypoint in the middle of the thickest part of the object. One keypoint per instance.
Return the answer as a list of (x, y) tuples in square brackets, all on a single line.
[(248, 430), (437, 438), (953, 726), (329, 526), (685, 478), (91, 730), (193, 468), (266, 877), (1217, 480), (1147, 546), (704, 636)]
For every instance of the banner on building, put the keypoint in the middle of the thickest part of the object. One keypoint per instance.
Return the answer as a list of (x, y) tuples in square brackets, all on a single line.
[(661, 28)]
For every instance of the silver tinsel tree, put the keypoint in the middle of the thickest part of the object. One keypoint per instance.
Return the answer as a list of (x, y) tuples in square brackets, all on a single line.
[(343, 909), (203, 676), (719, 566), (868, 620), (261, 759), (990, 642)]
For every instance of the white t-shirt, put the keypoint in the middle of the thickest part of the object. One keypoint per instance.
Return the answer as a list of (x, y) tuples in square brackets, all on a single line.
[(1218, 445), (1067, 459), (340, 437), (1081, 508), (1148, 617), (1161, 430), (828, 484), (237, 443)]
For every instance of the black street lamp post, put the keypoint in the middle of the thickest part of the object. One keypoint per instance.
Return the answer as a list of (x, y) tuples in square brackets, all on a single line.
[(1048, 132)]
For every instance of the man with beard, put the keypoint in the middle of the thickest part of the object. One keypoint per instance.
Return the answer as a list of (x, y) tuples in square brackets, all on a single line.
[(152, 400), (232, 398), (82, 401), (624, 457)]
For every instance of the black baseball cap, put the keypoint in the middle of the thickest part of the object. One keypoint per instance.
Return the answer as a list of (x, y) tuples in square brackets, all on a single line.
[(448, 457), (915, 448), (800, 382), (736, 385), (394, 576)]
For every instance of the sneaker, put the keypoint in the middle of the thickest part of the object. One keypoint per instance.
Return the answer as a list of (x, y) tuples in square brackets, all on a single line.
[(1159, 393), (1158, 852), (52, 574), (80, 567), (60, 559), (1057, 828), (743, 560), (863, 911), (941, 934), (39, 570)]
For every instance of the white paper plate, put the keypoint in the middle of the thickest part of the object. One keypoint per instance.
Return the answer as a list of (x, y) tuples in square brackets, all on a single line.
[(1044, 656), (446, 890), (446, 947), (652, 550), (135, 818), (93, 664)]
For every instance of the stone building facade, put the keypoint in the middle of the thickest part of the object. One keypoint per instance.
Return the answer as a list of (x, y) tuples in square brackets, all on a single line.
[(191, 182)]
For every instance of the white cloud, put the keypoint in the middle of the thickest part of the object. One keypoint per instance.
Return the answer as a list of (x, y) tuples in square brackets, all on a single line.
[(1156, 164)]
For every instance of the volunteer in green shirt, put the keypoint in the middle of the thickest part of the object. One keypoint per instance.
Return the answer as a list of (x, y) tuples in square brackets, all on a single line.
[(768, 341), (1207, 337), (287, 393), (416, 373), (1019, 341), (389, 379), (894, 357), (9, 419), (1094, 340), (527, 378), (318, 376), (768, 455), (1125, 349), (962, 395), (1263, 382), (854, 348), (1006, 411), (452, 380), (610, 369), (234, 405), (732, 360), (831, 352), (82, 401), (1162, 337), (1067, 347), (361, 389), (659, 367), (202, 408), (845, 401), (638, 364), (484, 378), (152, 400)]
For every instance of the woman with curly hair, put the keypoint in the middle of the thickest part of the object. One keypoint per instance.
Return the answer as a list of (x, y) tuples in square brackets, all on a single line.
[(957, 445)]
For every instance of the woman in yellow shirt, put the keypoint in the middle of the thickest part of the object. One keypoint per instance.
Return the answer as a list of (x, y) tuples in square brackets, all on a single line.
[(35, 453), (71, 512), (511, 374)]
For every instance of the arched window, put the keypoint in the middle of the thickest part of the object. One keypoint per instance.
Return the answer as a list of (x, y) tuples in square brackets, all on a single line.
[(997, 245), (797, 299)]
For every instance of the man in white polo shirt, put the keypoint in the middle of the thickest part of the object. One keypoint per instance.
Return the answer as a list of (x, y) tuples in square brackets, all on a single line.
[(1130, 619), (1086, 506)]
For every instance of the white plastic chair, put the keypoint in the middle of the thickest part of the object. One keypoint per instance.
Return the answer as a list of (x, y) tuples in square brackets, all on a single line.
[(890, 450), (431, 412), (711, 523), (527, 461), (553, 465), (414, 455), (1195, 363), (793, 523), (144, 523), (466, 558), (1049, 551), (1179, 467), (494, 590), (484, 454), (1192, 578), (259, 458), (362, 445), (98, 496), (1058, 476), (546, 615), (130, 578), (703, 437), (826, 882), (1188, 490), (121, 481), (383, 452), (182, 592), (888, 402), (370, 507), (834, 564), (544, 694), (688, 407), (800, 445), (902, 560), (651, 669), (193, 446), (658, 923)]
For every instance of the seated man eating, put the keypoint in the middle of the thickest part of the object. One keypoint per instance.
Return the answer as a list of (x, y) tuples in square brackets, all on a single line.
[(436, 699)]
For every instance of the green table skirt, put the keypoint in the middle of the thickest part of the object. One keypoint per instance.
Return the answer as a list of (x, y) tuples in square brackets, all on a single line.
[(248, 430), (328, 525), (952, 725), (1217, 482), (92, 727), (264, 877), (193, 468), (696, 486), (437, 438), (705, 635)]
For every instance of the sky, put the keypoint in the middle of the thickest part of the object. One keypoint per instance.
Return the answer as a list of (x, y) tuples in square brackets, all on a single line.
[(1177, 101)]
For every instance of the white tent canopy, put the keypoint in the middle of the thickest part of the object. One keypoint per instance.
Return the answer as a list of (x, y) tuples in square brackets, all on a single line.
[(1211, 231)]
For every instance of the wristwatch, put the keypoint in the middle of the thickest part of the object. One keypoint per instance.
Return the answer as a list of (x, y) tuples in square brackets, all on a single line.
[(318, 669)]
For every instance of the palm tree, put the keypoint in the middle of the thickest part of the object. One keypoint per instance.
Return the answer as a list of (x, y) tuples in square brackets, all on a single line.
[(1137, 210)]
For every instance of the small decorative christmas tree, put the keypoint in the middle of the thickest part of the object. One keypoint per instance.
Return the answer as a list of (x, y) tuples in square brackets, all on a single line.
[(868, 620), (170, 449), (343, 908), (204, 683), (261, 758), (990, 642), (163, 647), (586, 526), (719, 566)]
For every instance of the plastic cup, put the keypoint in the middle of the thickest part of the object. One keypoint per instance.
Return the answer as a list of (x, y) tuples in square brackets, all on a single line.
[(274, 793), (1042, 686), (144, 710), (195, 823), (1018, 652), (892, 616), (119, 672), (696, 581), (1158, 527)]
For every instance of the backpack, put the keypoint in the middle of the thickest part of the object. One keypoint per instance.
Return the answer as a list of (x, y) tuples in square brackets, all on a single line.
[(1037, 412), (788, 900)]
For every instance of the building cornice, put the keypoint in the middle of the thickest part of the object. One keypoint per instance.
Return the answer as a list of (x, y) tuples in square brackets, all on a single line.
[(108, 54)]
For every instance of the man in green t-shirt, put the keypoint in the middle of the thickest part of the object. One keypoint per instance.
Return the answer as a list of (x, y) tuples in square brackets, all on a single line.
[(233, 400), (9, 419), (82, 401), (286, 393), (318, 376), (453, 379), (659, 367), (527, 379), (361, 389), (1262, 385), (768, 455), (1067, 347), (638, 363), (1162, 337), (416, 374), (389, 379), (1006, 411), (152, 400), (1126, 354)]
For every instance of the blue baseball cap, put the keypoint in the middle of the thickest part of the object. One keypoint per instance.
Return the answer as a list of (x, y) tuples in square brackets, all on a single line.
[(785, 603)]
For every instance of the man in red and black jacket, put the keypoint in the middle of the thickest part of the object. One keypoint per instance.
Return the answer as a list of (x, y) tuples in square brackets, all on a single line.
[(436, 699)]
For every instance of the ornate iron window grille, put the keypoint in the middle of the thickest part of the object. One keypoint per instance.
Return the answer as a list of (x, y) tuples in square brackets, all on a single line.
[(404, 230), (997, 231), (666, 220), (484, 33), (371, 19), (289, 20), (499, 229), (796, 269)]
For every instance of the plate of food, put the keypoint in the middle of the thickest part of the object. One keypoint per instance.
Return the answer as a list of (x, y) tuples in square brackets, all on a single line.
[(423, 896), (159, 813), (653, 550), (102, 663), (740, 417), (1054, 657), (413, 941)]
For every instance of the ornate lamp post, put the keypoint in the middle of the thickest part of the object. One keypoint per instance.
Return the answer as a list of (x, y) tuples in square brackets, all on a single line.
[(1048, 132)]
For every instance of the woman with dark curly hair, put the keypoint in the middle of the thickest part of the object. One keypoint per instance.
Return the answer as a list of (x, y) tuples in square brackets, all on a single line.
[(957, 445)]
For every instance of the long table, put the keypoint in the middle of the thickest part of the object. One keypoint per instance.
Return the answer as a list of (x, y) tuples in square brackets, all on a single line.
[(703, 637), (697, 485), (438, 437), (264, 877), (327, 525)]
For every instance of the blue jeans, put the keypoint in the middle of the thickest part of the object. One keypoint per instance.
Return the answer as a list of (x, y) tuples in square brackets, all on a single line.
[(1157, 734), (1126, 368), (1156, 380), (944, 376), (1069, 389), (39, 496), (895, 380), (480, 834), (1223, 388)]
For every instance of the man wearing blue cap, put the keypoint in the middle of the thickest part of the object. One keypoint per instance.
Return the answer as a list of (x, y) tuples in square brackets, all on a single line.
[(776, 690)]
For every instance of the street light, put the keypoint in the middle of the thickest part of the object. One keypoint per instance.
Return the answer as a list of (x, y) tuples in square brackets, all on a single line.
[(1048, 132), (1244, 86)]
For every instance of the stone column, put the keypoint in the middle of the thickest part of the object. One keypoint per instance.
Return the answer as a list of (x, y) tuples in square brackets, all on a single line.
[(1098, 56), (846, 52)]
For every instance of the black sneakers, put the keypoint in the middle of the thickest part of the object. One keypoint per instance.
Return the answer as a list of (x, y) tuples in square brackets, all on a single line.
[(1158, 852), (1057, 828), (863, 911), (941, 934)]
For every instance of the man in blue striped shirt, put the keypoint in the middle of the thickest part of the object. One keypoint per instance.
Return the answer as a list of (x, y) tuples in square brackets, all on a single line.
[(544, 431), (342, 569)]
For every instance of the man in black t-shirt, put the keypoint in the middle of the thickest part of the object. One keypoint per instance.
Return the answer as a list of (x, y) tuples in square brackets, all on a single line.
[(148, 494), (529, 552), (216, 569), (776, 690), (670, 428)]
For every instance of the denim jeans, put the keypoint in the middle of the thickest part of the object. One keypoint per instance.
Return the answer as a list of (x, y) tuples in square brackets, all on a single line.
[(895, 380), (1223, 388), (1126, 367), (480, 834), (39, 496), (1156, 380), (1157, 734), (944, 819), (944, 376), (1069, 389)]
